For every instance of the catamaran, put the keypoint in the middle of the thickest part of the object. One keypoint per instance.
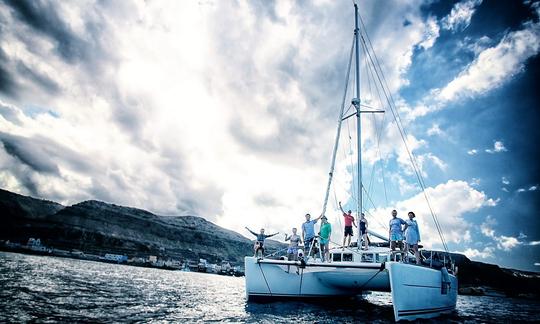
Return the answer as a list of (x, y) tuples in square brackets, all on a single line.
[(423, 290)]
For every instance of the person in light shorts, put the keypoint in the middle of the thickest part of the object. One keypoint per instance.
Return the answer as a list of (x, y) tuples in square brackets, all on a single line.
[(295, 240), (395, 234)]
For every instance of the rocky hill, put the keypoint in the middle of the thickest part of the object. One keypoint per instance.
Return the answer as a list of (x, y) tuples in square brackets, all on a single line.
[(98, 227)]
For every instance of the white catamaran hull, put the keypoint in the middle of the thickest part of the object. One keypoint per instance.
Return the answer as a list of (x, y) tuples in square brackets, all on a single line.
[(421, 292), (416, 291)]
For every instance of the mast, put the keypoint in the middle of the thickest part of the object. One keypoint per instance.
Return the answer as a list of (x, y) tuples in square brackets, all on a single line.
[(356, 103)]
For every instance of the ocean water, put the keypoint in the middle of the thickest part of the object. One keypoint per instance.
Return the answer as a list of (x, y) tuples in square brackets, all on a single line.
[(50, 289)]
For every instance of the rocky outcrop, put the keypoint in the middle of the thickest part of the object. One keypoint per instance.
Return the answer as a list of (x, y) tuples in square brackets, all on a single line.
[(98, 227)]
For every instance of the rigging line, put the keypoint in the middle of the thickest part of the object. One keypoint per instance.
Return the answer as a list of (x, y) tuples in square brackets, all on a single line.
[(383, 176), (401, 129), (351, 162), (336, 202), (366, 211), (378, 127), (338, 132), (414, 162), (369, 81), (415, 166), (266, 281)]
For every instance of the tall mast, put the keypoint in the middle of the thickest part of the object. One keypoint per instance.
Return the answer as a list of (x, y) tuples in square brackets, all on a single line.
[(356, 103)]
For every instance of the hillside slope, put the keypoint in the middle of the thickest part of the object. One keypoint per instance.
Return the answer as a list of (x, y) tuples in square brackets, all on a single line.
[(98, 227)]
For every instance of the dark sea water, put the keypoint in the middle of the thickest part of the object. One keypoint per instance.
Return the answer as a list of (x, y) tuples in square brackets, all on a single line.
[(50, 289)]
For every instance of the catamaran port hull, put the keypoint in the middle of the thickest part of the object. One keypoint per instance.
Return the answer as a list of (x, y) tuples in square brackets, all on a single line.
[(412, 287)]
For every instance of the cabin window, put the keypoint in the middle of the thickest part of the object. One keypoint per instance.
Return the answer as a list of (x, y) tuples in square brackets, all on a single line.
[(336, 257), (347, 257), (367, 257), (381, 257)]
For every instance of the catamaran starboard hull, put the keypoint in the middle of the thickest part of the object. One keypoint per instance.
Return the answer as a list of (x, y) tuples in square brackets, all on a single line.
[(421, 292)]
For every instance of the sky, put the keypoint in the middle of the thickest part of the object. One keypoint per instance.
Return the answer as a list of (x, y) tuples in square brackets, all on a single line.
[(228, 110)]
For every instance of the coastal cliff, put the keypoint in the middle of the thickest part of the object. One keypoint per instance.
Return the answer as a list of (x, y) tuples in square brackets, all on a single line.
[(98, 228)]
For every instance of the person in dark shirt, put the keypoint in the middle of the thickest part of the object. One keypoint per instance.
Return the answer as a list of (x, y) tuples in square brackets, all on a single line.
[(259, 243), (363, 232)]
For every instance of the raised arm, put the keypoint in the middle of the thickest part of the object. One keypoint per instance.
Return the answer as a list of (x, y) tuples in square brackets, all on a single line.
[(267, 236), (341, 208), (251, 231), (317, 219), (287, 237)]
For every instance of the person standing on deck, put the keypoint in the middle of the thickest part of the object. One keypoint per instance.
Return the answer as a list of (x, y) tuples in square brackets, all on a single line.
[(324, 235), (308, 232), (295, 240), (259, 243), (395, 234), (349, 222), (412, 237), (363, 231)]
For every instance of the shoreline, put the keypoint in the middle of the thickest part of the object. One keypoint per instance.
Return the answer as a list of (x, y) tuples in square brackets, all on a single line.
[(91, 257)]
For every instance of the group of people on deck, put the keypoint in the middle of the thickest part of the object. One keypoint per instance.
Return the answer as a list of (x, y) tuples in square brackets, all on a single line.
[(400, 231)]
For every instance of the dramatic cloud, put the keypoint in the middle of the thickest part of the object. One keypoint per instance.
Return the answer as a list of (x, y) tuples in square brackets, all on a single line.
[(495, 65), (125, 103), (228, 110)]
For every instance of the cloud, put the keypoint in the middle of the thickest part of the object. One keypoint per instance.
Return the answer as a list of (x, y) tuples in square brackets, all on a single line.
[(180, 122), (487, 252), (475, 182), (508, 242), (435, 130), (472, 152), (505, 243), (431, 33), (460, 16), (533, 243), (495, 65), (537, 264), (453, 199), (498, 147), (505, 181), (531, 188)]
